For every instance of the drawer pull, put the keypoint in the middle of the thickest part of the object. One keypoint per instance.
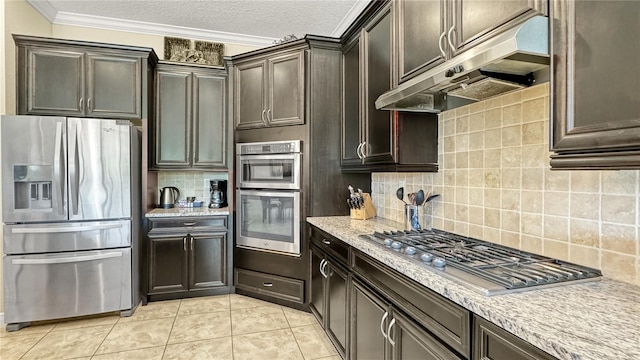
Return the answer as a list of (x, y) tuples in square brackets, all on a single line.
[(267, 284), (189, 223), (326, 242)]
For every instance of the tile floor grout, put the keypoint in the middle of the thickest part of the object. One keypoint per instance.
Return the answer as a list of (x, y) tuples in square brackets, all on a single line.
[(276, 321)]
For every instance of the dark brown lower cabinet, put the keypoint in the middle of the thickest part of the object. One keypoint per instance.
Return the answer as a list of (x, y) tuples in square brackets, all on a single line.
[(380, 331), (187, 261), (493, 343), (329, 297)]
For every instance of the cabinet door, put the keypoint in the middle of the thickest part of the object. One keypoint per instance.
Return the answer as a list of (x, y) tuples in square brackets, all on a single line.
[(113, 86), (172, 123), (351, 110), (478, 20), (317, 303), (55, 83), (250, 109), (369, 317), (337, 305), (410, 341), (379, 130), (286, 90), (209, 121), (419, 25), (593, 136), (167, 264), (492, 343), (207, 261)]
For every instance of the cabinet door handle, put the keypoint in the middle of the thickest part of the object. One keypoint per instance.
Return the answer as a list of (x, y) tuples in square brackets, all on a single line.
[(384, 317), (89, 107), (390, 337), (359, 152), (323, 268), (320, 268), (267, 284), (444, 55), (81, 104), (191, 243), (364, 145), (450, 39), (326, 242), (263, 116), (184, 243), (189, 223), (269, 116)]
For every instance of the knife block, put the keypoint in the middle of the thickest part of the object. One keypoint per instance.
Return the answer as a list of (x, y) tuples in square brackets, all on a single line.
[(367, 211)]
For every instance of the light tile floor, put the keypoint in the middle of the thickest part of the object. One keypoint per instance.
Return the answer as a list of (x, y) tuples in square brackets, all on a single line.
[(216, 327)]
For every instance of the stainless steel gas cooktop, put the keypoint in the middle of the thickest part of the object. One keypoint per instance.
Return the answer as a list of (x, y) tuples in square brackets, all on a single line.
[(488, 268)]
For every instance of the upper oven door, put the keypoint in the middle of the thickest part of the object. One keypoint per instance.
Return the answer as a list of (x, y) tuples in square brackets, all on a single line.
[(281, 171)]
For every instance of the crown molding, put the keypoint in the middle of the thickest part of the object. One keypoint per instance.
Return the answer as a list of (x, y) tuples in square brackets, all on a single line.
[(100, 22), (349, 18), (45, 8)]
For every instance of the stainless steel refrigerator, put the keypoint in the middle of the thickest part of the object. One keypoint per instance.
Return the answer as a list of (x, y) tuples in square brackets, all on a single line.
[(71, 214)]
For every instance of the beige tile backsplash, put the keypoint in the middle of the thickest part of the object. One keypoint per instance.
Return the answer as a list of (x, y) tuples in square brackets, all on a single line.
[(191, 183), (496, 184)]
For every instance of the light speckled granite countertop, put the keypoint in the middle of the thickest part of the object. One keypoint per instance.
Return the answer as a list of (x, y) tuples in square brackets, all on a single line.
[(596, 320), (196, 211)]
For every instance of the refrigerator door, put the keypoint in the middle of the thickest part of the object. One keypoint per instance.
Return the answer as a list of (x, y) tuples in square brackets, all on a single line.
[(34, 178), (99, 169), (66, 284)]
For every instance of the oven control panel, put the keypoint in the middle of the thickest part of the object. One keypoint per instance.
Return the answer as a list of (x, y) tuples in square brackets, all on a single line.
[(271, 147)]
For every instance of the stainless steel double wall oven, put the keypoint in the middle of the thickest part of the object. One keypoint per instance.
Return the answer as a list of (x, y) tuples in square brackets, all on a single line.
[(268, 196)]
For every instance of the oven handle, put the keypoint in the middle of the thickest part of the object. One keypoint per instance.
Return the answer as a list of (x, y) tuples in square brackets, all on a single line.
[(290, 156), (66, 260)]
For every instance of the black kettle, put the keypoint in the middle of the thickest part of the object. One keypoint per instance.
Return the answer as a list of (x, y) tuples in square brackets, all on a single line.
[(168, 196)]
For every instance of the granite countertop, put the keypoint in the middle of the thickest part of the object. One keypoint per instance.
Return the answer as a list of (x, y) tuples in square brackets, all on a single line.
[(186, 211), (594, 320)]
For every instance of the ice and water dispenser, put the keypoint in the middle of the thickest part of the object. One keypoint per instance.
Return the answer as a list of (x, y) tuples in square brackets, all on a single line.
[(32, 186)]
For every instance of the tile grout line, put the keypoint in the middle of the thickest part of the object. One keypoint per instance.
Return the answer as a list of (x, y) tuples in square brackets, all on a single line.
[(175, 317)]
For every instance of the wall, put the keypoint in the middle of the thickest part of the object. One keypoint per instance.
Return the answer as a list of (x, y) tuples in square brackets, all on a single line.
[(192, 183), (496, 184)]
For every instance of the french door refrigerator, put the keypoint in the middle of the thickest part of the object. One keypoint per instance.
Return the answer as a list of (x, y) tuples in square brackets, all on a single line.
[(71, 214)]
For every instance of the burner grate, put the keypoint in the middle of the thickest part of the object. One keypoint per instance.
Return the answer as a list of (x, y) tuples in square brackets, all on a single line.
[(506, 267)]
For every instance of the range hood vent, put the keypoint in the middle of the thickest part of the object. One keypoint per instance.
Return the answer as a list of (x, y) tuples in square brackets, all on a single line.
[(511, 60)]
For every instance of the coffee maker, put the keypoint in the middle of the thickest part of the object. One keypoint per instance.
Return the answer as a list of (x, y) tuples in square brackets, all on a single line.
[(218, 193)]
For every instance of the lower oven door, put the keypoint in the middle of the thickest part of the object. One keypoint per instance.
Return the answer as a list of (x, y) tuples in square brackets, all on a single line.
[(269, 221), (68, 284)]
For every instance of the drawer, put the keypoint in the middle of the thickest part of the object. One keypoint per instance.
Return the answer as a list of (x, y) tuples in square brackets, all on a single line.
[(272, 285), (329, 244), (187, 224), (447, 320)]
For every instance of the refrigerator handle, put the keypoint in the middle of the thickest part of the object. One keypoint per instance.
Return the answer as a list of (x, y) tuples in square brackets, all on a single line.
[(58, 169), (66, 260), (73, 167)]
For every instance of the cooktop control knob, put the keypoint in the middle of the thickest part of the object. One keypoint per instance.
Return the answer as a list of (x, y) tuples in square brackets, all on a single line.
[(387, 242), (410, 250), (396, 244), (439, 262), (426, 257)]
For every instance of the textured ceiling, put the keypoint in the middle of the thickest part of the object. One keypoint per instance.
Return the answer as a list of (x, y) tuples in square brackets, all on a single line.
[(263, 18)]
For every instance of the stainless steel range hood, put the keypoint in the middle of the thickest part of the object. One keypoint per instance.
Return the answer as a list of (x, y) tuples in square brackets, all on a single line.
[(509, 61)]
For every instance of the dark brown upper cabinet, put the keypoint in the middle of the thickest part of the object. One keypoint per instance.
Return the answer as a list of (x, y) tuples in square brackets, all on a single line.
[(430, 32), (269, 90), (594, 95), (372, 139), (190, 129), (73, 78)]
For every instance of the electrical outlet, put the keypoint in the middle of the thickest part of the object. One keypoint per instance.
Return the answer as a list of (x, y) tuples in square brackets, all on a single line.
[(403, 183)]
